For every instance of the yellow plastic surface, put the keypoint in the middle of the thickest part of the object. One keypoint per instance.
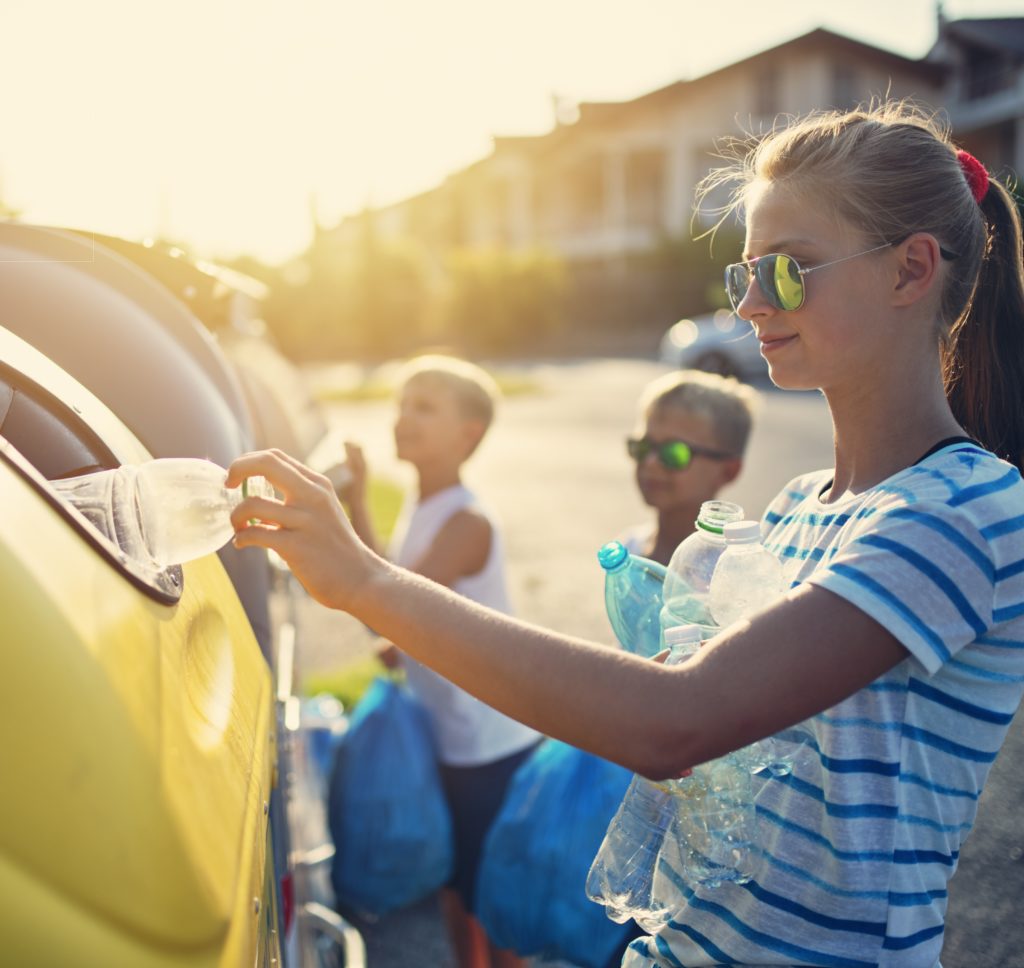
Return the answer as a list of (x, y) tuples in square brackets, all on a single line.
[(137, 758)]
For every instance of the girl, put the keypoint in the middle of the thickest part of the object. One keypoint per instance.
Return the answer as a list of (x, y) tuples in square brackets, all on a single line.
[(883, 267)]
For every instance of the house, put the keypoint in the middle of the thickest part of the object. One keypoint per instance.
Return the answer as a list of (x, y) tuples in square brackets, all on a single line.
[(618, 180), (984, 91)]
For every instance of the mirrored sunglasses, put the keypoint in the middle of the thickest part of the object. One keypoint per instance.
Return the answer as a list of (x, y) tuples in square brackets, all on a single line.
[(675, 455), (780, 277)]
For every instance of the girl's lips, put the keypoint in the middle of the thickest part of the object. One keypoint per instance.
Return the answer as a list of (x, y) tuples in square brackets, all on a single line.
[(768, 344)]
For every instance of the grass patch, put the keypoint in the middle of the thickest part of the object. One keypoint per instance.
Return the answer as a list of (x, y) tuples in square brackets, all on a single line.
[(347, 682), (384, 500), (374, 387)]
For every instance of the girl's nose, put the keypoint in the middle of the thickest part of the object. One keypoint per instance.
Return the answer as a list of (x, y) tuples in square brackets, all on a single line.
[(753, 302)]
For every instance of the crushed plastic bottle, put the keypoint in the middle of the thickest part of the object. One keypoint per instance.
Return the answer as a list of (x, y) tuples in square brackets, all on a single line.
[(632, 598), (164, 512), (688, 577), (622, 873), (714, 828)]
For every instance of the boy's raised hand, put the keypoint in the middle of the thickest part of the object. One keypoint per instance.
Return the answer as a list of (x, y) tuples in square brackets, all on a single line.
[(306, 527), (355, 491)]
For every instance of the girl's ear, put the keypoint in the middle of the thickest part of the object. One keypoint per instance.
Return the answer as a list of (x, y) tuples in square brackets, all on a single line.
[(917, 268)]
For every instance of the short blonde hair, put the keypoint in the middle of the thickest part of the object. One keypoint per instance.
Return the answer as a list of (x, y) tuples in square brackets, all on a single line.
[(727, 403), (476, 393)]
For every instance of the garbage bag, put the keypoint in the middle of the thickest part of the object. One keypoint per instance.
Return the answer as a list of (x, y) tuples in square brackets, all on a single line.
[(531, 888), (386, 808)]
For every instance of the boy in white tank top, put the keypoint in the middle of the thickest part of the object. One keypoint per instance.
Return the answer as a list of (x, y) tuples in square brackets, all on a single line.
[(445, 408)]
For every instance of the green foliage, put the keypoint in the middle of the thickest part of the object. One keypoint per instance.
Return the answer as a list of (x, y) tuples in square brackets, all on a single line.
[(502, 301), (356, 295), (384, 500), (348, 682)]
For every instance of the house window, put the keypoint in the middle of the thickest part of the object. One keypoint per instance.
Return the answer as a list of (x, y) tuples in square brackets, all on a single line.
[(986, 74), (844, 86), (645, 188), (767, 102)]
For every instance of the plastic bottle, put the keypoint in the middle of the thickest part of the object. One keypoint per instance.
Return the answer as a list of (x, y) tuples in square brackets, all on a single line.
[(622, 873), (621, 876), (681, 641), (164, 512), (688, 577), (747, 578), (632, 598), (714, 827)]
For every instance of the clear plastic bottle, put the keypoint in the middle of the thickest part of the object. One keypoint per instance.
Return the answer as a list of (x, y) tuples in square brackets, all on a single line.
[(632, 598), (711, 840), (164, 512), (622, 874), (688, 577), (747, 576), (681, 641)]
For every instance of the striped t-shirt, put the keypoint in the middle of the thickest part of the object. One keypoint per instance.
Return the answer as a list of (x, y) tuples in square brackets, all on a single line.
[(856, 846)]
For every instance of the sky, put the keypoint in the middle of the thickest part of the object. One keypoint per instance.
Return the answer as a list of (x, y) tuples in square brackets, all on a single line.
[(225, 123)]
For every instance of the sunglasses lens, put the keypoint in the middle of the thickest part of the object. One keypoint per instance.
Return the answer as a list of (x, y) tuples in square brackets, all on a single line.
[(675, 455), (787, 283), (638, 449), (737, 279)]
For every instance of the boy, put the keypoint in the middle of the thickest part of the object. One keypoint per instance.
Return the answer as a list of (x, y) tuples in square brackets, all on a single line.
[(445, 407), (692, 431)]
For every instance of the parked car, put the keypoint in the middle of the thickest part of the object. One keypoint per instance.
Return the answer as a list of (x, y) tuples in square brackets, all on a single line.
[(718, 342)]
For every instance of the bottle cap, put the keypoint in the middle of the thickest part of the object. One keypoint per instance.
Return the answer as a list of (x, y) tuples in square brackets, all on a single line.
[(683, 635), (612, 555), (714, 515), (742, 532)]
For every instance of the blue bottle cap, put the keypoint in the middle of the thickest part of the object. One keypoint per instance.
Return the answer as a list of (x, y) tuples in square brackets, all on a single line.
[(612, 555)]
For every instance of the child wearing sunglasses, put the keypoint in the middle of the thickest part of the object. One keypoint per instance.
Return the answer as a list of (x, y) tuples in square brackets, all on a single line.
[(692, 431), (884, 267)]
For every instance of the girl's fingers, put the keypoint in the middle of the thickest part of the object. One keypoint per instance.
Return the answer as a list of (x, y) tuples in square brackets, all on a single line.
[(287, 475), (259, 535), (267, 512)]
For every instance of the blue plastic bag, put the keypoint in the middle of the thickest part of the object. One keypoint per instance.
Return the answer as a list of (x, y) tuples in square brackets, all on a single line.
[(386, 808), (531, 889)]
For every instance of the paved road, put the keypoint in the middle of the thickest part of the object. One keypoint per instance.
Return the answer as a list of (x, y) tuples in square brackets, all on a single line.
[(555, 471)]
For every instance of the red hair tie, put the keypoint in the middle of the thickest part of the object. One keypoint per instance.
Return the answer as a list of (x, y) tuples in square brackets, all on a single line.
[(974, 172)]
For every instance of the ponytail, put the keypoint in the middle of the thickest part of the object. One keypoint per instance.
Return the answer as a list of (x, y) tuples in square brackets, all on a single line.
[(983, 359)]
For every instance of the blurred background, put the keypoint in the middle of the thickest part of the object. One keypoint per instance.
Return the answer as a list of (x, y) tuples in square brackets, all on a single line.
[(500, 179)]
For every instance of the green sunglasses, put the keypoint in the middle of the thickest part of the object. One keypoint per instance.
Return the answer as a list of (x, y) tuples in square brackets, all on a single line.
[(780, 277), (675, 455)]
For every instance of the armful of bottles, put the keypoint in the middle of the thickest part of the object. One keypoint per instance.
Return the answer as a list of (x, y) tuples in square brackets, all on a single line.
[(700, 827)]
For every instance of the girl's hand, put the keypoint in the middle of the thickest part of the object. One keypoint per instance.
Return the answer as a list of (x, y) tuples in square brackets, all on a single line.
[(306, 527)]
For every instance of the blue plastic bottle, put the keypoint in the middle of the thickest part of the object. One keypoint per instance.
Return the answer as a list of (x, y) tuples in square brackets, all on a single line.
[(632, 598)]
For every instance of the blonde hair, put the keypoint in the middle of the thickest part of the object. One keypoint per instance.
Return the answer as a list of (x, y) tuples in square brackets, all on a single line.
[(891, 170), (727, 403), (476, 393)]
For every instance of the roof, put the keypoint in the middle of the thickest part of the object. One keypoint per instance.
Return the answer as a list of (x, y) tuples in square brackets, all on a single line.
[(995, 33)]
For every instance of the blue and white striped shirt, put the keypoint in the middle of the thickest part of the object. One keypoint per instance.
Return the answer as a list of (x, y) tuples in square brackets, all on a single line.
[(858, 844)]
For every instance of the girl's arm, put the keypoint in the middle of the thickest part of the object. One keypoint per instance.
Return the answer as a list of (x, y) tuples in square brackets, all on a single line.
[(801, 655)]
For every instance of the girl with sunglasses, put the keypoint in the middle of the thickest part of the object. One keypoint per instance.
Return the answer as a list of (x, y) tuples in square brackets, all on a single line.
[(883, 267)]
